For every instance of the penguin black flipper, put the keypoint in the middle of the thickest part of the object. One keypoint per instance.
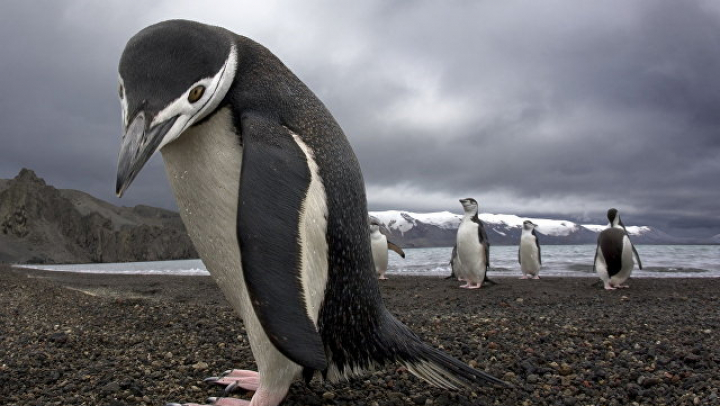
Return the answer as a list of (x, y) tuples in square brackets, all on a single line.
[(452, 259), (537, 244), (274, 181), (482, 236), (395, 248), (637, 256)]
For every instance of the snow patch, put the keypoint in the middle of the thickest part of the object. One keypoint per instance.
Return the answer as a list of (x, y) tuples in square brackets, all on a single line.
[(404, 221), (632, 230)]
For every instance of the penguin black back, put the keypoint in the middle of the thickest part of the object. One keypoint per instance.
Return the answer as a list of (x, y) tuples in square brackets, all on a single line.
[(611, 250)]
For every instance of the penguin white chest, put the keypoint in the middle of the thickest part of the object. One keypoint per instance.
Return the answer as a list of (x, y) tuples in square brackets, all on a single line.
[(379, 247), (470, 252), (529, 256), (204, 168)]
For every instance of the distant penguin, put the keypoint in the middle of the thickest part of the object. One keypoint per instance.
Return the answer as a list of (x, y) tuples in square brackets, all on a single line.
[(380, 245), (473, 249), (529, 252), (614, 254)]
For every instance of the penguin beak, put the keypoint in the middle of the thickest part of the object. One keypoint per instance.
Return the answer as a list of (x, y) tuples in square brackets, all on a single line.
[(138, 144)]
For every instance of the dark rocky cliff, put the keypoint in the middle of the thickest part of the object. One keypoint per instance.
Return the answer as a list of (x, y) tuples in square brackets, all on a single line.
[(39, 223)]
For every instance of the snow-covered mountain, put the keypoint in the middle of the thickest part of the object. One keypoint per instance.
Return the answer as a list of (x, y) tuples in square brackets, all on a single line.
[(440, 228)]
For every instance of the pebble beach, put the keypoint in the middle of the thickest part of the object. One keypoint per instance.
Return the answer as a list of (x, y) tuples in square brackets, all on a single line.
[(88, 339)]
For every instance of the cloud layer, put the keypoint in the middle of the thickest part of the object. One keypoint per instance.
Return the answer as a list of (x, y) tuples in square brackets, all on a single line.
[(554, 108)]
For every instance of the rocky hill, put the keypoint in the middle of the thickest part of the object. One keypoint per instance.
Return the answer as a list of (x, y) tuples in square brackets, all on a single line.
[(39, 223)]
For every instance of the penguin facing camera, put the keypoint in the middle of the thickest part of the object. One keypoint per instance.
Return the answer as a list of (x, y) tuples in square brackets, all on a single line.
[(473, 248), (529, 255)]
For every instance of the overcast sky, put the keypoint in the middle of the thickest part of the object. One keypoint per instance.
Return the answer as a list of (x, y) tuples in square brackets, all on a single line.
[(555, 108)]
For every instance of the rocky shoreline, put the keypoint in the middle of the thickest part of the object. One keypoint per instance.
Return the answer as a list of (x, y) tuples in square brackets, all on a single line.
[(79, 339)]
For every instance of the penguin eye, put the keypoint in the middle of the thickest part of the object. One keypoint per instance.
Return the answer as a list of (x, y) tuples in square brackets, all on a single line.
[(196, 93), (121, 91)]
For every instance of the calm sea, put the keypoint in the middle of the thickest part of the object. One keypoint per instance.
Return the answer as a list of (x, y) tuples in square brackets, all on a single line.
[(659, 261)]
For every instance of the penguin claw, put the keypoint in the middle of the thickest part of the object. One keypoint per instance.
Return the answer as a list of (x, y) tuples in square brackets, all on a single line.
[(231, 387), (182, 404), (236, 378), (213, 401)]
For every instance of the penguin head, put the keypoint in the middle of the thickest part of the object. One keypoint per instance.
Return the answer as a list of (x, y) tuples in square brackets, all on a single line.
[(375, 224), (171, 76), (614, 217), (528, 225), (469, 204)]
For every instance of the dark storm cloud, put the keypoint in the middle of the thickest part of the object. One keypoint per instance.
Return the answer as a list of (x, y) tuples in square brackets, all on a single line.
[(555, 108), (59, 112)]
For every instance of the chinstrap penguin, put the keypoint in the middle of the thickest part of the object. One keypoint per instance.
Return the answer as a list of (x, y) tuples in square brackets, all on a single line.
[(529, 255), (273, 198), (473, 248), (380, 245), (614, 254)]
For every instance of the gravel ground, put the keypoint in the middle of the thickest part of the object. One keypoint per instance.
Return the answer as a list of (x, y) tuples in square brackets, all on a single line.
[(78, 339)]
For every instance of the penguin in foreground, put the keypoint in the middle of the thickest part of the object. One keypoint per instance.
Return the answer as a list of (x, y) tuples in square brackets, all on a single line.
[(614, 254), (380, 245), (273, 198), (473, 248), (529, 252)]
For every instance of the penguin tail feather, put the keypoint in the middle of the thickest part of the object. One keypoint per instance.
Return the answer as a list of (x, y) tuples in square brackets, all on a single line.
[(441, 370), (430, 364)]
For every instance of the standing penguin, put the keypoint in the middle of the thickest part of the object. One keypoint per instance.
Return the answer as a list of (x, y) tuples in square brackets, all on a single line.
[(614, 254), (473, 248), (380, 245), (529, 252), (273, 198)]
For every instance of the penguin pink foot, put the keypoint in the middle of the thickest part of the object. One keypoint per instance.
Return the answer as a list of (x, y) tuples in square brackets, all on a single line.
[(474, 286), (216, 402), (610, 287), (383, 278), (237, 378), (536, 277), (524, 277), (261, 398)]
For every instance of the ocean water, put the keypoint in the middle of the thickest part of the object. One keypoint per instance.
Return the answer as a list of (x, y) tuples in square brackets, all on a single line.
[(659, 261)]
